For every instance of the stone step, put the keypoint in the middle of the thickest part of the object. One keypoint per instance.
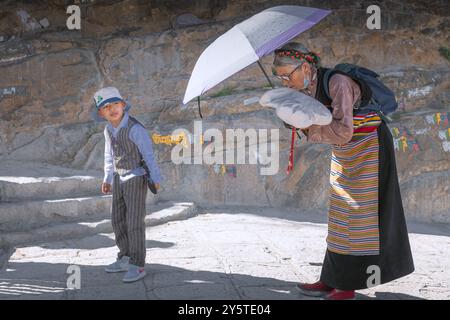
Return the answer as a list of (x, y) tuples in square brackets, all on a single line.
[(30, 214), (21, 180), (157, 214), (26, 215), (48, 188)]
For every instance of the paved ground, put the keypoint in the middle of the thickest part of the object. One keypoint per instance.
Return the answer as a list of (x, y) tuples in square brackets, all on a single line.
[(226, 253)]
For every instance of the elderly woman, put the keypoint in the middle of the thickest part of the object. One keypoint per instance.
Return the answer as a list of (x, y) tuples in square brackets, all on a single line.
[(367, 241)]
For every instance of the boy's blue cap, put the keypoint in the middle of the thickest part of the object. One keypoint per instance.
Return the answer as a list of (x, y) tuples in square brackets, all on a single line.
[(104, 96)]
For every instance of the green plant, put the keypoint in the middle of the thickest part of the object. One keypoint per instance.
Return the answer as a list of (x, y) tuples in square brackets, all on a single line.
[(445, 52), (224, 92), (234, 90), (395, 116)]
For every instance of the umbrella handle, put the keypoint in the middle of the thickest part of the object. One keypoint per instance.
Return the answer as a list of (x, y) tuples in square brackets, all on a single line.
[(199, 109), (267, 77)]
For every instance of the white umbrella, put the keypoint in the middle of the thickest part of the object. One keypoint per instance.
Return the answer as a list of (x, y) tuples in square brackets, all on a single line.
[(247, 42)]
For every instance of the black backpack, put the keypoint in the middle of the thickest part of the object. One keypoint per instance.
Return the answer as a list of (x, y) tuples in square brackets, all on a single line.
[(375, 96)]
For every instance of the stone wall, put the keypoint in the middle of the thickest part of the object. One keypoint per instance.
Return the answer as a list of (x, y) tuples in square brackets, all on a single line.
[(148, 49)]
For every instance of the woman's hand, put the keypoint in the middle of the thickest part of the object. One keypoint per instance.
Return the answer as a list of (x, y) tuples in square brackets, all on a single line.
[(106, 188), (286, 125)]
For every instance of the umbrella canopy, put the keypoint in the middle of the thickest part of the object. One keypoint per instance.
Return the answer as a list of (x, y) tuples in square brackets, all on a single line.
[(247, 42)]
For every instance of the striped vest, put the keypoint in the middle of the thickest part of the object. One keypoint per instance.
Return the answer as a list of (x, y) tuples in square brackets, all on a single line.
[(126, 153)]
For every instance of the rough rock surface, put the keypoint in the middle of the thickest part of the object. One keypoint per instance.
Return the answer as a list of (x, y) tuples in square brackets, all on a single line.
[(148, 49)]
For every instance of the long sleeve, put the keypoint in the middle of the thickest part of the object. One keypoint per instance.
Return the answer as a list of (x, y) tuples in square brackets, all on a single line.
[(141, 138), (108, 166), (344, 92)]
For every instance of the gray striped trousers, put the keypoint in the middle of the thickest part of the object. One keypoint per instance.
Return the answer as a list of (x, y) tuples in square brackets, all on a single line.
[(128, 218)]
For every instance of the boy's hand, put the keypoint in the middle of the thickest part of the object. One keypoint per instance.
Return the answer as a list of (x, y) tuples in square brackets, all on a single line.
[(157, 186), (106, 188)]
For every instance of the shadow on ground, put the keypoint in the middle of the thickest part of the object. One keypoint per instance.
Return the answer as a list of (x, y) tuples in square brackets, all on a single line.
[(98, 241), (49, 282)]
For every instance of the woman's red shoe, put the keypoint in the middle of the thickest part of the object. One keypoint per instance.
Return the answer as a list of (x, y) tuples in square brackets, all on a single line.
[(317, 289), (340, 295)]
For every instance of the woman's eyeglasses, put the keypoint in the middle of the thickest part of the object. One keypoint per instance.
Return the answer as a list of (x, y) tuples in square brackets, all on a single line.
[(286, 77)]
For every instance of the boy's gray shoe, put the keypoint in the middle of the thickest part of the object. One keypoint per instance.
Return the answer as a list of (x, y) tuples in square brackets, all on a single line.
[(121, 265), (134, 273)]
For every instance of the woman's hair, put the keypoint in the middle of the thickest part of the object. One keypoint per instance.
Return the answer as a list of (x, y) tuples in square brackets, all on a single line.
[(294, 53)]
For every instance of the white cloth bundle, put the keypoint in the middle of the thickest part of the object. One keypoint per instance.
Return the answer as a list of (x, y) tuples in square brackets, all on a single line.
[(295, 108)]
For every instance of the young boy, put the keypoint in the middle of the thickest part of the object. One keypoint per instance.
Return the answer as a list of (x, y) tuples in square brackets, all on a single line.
[(128, 153)]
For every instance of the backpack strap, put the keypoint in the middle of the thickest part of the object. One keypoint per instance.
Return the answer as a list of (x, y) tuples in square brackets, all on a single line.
[(366, 92), (133, 121)]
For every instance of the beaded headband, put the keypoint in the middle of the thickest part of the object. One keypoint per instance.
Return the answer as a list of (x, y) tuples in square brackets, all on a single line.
[(310, 57)]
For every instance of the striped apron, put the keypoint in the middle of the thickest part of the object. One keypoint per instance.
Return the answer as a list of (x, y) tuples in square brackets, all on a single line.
[(353, 219)]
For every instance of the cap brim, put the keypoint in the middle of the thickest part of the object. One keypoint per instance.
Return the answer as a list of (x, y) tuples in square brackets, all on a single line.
[(110, 100)]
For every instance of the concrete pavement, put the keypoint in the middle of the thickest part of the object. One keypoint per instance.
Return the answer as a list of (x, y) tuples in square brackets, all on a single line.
[(223, 253)]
